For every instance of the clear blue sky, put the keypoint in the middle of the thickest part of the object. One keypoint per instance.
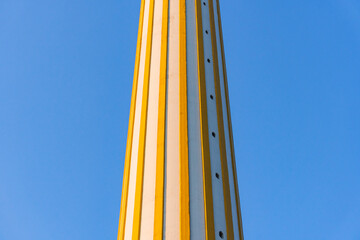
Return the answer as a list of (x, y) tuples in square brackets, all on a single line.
[(66, 71)]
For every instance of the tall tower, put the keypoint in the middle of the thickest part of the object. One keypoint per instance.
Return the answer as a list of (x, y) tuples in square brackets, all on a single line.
[(180, 176)]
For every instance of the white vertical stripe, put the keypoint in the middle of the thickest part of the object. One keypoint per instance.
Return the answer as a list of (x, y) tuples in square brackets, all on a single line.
[(197, 222), (226, 128), (217, 185), (135, 146), (172, 212), (148, 198), (172, 144)]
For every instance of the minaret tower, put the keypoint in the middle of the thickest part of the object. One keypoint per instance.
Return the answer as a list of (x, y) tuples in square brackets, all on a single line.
[(180, 176)]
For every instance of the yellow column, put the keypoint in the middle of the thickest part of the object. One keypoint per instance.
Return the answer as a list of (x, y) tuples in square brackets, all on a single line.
[(179, 177)]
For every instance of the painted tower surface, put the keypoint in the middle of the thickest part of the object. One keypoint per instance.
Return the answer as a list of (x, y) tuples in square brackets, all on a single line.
[(180, 176)]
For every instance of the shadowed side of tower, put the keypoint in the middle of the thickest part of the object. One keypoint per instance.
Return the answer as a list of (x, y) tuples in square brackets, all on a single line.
[(180, 175)]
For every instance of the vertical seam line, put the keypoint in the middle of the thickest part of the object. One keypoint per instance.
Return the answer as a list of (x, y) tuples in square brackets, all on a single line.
[(124, 195), (143, 123), (160, 162), (184, 157)]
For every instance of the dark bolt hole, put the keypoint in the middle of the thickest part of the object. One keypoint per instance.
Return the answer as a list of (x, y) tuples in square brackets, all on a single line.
[(208, 60), (213, 134), (221, 234), (217, 175), (211, 96), (207, 32), (204, 3)]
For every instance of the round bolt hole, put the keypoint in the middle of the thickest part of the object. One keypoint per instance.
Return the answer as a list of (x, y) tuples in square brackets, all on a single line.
[(204, 3), (213, 134), (207, 32), (221, 234), (208, 60), (211, 97), (217, 175)]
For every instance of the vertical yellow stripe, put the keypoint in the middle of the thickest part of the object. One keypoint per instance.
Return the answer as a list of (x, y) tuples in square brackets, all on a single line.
[(124, 195), (144, 107), (184, 150), (230, 126), (160, 161), (208, 197), (224, 166)]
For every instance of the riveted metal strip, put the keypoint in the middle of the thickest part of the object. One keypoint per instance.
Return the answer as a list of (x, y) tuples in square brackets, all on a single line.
[(208, 197), (230, 126), (224, 166)]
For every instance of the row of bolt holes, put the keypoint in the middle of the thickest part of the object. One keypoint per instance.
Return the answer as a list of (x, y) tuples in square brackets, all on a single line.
[(217, 175), (221, 234)]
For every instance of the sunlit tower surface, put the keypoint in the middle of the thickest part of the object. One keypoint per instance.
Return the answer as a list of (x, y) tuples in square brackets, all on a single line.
[(180, 178)]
